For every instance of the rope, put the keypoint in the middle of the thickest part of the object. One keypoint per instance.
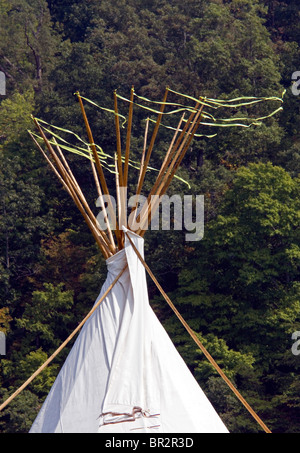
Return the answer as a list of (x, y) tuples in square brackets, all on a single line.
[(198, 342), (184, 323), (45, 364)]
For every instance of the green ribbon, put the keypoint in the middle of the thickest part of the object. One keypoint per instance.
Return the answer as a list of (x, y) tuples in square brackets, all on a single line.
[(86, 152), (210, 121)]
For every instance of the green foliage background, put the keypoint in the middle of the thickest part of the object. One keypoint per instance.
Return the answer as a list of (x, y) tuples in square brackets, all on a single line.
[(238, 287)]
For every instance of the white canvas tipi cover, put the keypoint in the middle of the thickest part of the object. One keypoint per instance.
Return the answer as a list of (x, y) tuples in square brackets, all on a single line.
[(123, 374)]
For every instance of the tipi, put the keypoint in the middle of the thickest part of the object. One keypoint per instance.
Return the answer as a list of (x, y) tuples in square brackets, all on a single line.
[(123, 373)]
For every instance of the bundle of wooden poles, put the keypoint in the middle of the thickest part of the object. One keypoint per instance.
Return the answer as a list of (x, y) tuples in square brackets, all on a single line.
[(112, 240)]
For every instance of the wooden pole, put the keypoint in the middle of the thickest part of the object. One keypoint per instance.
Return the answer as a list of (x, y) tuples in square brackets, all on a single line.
[(190, 136), (166, 159), (147, 157), (100, 197), (121, 187), (144, 151), (76, 194), (134, 208), (175, 164), (99, 168), (128, 138), (110, 240), (102, 205), (181, 139), (94, 231), (161, 172), (166, 174), (118, 137), (119, 200)]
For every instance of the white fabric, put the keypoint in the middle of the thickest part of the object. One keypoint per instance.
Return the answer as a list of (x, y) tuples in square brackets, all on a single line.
[(123, 373)]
